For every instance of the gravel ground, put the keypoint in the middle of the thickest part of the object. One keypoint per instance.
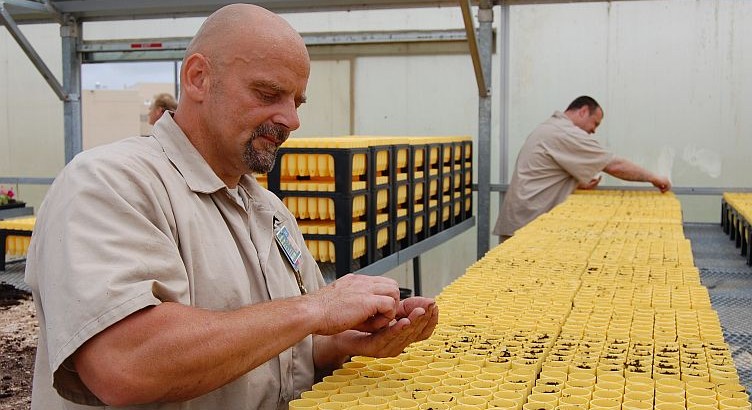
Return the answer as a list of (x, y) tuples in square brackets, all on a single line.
[(18, 342)]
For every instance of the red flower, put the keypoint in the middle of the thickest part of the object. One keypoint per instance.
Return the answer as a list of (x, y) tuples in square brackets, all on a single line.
[(6, 196)]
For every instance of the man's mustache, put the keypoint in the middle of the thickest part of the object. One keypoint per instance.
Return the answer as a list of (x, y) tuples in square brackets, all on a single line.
[(278, 132)]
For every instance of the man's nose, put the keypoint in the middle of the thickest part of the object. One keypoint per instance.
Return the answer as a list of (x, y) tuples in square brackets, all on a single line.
[(288, 115)]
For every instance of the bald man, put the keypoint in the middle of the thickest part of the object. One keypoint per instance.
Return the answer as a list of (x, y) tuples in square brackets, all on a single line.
[(165, 277)]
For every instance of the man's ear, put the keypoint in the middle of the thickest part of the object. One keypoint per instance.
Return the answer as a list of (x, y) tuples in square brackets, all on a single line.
[(195, 77)]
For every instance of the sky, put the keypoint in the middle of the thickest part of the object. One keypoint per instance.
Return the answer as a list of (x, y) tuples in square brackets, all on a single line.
[(117, 76)]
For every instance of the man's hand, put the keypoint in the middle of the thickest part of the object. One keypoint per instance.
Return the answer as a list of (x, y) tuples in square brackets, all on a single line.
[(661, 183), (415, 320), (590, 185), (360, 302)]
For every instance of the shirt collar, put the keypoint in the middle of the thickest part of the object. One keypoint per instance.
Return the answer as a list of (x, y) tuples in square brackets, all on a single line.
[(560, 115), (562, 121), (198, 175)]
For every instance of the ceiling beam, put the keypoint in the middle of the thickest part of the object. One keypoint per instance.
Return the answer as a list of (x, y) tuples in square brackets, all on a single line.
[(168, 49), (30, 52), (99, 10), (472, 42), (28, 11)]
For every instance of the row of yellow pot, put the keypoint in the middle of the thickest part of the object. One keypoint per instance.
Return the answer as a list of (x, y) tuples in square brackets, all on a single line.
[(596, 304)]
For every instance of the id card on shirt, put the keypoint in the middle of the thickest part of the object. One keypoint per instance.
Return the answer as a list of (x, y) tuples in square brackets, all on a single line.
[(288, 246), (291, 251)]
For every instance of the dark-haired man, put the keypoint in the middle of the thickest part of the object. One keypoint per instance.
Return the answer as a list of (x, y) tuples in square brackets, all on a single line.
[(559, 156)]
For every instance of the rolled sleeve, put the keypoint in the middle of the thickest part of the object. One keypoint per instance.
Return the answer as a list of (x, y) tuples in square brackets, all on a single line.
[(103, 250), (581, 156)]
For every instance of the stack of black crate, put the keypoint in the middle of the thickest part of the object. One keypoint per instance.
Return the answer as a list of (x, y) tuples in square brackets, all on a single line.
[(461, 178), (417, 175), (415, 187), (381, 179), (447, 172), (466, 172), (456, 175), (344, 237), (433, 185), (400, 211)]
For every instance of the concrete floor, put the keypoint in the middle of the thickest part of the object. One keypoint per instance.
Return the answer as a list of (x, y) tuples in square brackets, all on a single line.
[(14, 274), (729, 281)]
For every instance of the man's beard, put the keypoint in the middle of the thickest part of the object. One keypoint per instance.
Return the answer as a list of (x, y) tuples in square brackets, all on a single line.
[(262, 161)]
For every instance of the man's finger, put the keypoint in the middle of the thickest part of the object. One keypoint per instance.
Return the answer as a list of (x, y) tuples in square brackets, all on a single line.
[(410, 304), (384, 306)]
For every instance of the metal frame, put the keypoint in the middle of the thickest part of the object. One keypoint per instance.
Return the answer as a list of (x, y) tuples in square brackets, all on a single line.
[(481, 51), (30, 52), (39, 11), (72, 13), (70, 31), (14, 213), (171, 49), (413, 253), (26, 181), (676, 190), (472, 42), (108, 10)]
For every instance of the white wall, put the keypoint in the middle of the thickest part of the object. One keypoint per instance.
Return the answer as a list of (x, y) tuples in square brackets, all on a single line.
[(110, 115), (672, 76), (421, 95), (328, 110), (31, 116)]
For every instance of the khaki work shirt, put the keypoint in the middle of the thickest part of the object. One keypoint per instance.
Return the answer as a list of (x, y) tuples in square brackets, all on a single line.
[(144, 221), (555, 158)]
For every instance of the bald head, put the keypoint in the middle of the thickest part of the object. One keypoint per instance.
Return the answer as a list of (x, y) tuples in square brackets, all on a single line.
[(236, 29)]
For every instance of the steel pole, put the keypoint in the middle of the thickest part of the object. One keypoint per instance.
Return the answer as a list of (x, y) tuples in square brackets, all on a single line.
[(485, 45), (70, 32)]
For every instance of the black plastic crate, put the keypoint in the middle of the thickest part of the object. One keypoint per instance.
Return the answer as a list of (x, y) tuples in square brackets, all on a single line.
[(381, 162), (434, 159), (4, 234), (351, 169), (349, 253), (418, 161), (403, 235), (358, 206), (401, 160), (447, 212), (467, 204), (382, 239), (433, 218)]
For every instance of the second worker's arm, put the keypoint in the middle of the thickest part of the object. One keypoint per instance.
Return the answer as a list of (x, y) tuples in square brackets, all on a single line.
[(629, 171)]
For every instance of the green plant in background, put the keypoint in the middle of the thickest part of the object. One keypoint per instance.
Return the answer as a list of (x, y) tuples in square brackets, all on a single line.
[(6, 196)]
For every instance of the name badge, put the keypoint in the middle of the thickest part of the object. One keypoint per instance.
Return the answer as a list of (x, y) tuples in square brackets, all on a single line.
[(288, 246), (291, 251)]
